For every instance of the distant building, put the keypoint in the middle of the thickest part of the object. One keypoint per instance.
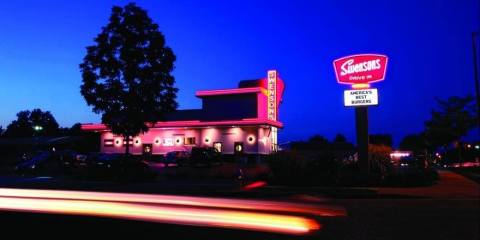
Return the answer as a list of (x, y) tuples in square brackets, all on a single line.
[(239, 120)]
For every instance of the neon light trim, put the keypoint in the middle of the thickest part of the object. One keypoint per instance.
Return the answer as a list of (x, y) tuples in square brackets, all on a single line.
[(173, 124), (204, 93)]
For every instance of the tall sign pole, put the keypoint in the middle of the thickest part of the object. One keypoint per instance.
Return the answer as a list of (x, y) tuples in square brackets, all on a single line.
[(359, 71), (361, 125), (475, 74)]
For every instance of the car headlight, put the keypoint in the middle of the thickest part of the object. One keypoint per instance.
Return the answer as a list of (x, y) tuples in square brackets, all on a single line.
[(33, 166)]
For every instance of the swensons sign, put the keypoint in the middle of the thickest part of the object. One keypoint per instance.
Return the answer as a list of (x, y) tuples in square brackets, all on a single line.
[(360, 69)]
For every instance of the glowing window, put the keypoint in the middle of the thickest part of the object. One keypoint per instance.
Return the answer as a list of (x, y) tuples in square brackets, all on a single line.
[(238, 147), (217, 146), (190, 141)]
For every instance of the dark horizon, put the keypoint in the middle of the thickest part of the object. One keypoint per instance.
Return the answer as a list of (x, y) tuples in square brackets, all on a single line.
[(428, 44)]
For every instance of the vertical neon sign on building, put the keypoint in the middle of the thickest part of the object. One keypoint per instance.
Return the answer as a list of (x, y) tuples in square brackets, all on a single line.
[(272, 92)]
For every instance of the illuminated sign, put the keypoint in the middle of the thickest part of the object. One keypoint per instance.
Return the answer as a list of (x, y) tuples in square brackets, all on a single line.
[(360, 69), (168, 142), (363, 97), (271, 94)]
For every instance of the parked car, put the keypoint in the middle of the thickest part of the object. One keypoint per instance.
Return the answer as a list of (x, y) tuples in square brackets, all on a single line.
[(412, 171), (201, 156), (37, 163), (179, 158), (69, 159), (120, 167)]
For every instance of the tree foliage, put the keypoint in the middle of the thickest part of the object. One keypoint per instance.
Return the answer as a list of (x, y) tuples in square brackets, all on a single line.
[(381, 139), (26, 121), (320, 143), (127, 73), (414, 142), (340, 138), (453, 119)]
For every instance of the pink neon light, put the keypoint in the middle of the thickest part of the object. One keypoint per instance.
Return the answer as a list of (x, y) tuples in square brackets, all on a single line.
[(204, 93), (219, 123), (254, 121)]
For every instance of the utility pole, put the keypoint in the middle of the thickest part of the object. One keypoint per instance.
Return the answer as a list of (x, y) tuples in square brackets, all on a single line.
[(475, 74)]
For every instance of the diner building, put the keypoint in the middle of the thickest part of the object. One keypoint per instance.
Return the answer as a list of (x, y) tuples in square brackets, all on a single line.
[(233, 121)]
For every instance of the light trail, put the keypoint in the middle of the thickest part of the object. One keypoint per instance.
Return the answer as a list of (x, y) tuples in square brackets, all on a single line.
[(164, 214), (257, 184), (318, 210)]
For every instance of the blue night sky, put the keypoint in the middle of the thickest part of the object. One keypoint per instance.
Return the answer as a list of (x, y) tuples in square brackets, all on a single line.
[(218, 43)]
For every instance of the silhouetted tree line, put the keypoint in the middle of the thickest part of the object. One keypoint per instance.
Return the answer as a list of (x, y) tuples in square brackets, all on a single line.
[(319, 143), (453, 119), (37, 123)]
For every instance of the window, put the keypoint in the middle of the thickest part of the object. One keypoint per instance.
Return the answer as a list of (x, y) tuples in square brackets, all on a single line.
[(238, 147), (217, 146), (190, 141), (147, 148)]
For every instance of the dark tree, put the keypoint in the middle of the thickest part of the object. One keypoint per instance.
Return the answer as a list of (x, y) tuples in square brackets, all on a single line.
[(127, 73), (340, 143), (1, 131), (75, 130), (339, 138), (318, 140), (32, 123), (453, 119), (414, 142), (381, 139)]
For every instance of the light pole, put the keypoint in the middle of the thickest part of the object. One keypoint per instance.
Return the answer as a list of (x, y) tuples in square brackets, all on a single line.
[(475, 74), (36, 130)]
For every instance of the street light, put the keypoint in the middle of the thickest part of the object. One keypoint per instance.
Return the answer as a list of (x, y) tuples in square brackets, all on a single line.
[(37, 128)]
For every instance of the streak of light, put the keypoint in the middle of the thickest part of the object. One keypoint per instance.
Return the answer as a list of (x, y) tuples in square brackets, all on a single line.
[(257, 184), (319, 210), (165, 214)]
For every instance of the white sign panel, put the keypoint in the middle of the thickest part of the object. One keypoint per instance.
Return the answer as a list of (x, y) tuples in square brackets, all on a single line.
[(360, 97)]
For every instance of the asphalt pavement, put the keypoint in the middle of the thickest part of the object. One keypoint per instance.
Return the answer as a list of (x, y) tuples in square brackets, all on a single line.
[(446, 210)]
